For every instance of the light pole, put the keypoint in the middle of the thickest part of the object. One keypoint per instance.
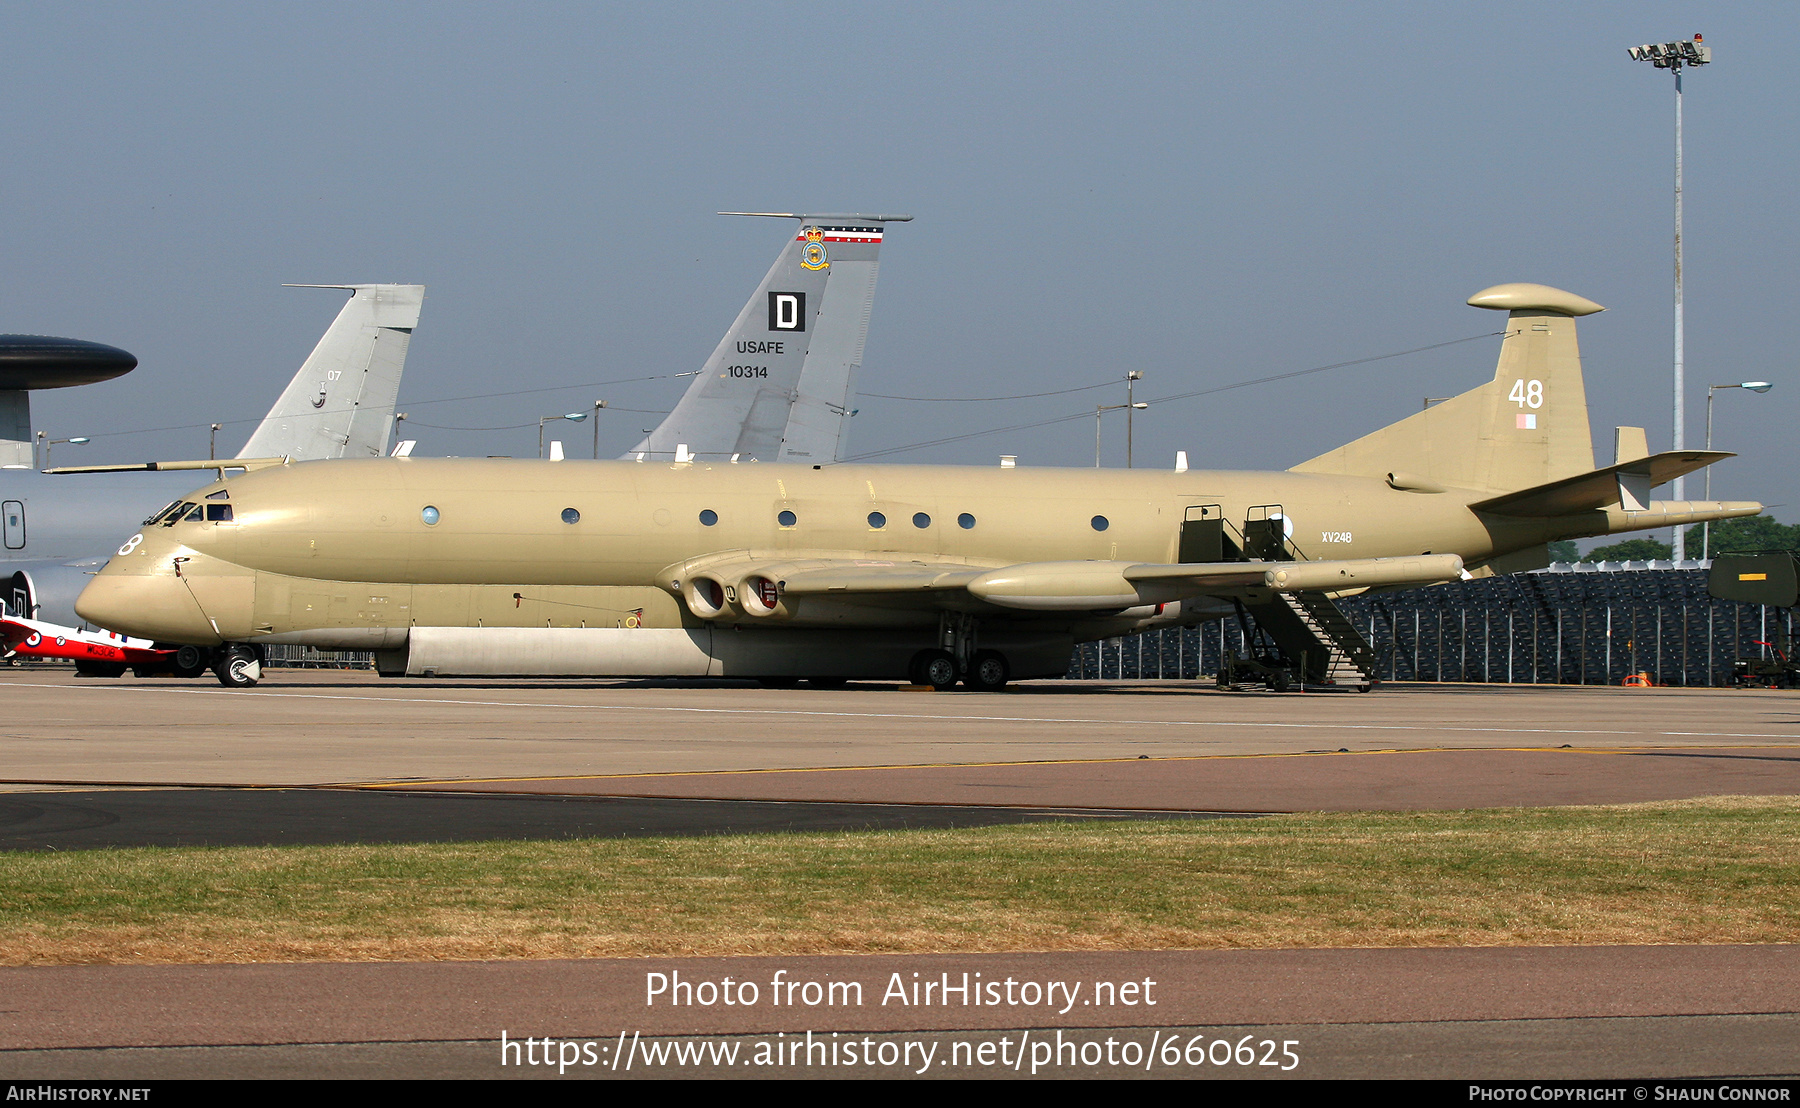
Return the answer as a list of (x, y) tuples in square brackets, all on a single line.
[(1706, 528), (212, 441), (82, 441), (1131, 378), (598, 404), (1674, 56), (1099, 410), (572, 417)]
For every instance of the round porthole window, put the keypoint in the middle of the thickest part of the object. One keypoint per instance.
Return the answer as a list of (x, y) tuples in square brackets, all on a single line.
[(1100, 523), (430, 516), (877, 520), (920, 519), (708, 517), (966, 521), (787, 518), (570, 515)]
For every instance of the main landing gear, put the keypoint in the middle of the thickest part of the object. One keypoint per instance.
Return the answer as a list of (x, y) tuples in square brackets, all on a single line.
[(958, 660)]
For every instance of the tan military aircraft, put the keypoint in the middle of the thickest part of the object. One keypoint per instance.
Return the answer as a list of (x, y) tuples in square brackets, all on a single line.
[(941, 573)]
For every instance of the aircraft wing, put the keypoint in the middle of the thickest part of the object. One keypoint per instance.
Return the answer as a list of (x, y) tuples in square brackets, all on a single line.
[(725, 586)]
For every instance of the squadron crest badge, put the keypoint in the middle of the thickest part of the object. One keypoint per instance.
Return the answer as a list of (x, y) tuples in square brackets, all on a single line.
[(812, 255)]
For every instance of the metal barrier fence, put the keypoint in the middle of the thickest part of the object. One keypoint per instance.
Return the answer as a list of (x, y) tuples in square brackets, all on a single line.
[(305, 657), (1550, 627)]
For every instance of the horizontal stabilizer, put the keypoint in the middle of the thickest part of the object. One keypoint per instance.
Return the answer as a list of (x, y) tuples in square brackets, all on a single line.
[(220, 464), (1627, 484)]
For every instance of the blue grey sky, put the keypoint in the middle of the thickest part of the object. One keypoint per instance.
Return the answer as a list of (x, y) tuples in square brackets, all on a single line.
[(1210, 193)]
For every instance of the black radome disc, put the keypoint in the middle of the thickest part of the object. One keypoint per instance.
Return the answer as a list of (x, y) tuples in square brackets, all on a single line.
[(46, 362)]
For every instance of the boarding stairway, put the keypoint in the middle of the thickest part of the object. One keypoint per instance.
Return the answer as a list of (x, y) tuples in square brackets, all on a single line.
[(1317, 638), (1315, 641)]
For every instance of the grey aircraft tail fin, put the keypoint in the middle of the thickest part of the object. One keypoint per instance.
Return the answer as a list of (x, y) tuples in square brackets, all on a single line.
[(779, 386), (341, 403)]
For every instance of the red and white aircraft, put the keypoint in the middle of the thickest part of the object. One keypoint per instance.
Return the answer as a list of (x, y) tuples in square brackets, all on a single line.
[(100, 650)]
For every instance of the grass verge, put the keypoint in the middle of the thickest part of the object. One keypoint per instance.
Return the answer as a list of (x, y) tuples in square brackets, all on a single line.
[(1718, 870)]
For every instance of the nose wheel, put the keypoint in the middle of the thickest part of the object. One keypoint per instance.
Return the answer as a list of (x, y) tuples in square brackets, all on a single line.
[(239, 667)]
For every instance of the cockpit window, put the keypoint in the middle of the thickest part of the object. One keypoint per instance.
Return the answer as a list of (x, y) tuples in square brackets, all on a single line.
[(218, 513), (195, 516), (222, 494), (173, 514), (166, 509)]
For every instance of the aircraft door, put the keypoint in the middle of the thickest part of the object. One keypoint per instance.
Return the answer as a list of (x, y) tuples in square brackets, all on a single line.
[(1266, 531), (1202, 534), (12, 515)]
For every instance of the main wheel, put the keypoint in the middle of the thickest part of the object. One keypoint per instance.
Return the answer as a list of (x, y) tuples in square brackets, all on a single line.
[(988, 671), (189, 661), (1280, 682), (938, 669), (239, 667)]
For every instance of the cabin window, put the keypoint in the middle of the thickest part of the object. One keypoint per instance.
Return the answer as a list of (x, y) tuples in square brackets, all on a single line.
[(787, 518), (570, 515), (218, 513), (15, 524), (966, 521), (921, 520), (708, 517), (877, 520), (1099, 523), (429, 515)]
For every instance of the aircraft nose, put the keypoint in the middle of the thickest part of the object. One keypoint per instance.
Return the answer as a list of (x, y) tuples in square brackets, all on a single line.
[(159, 608), (138, 593)]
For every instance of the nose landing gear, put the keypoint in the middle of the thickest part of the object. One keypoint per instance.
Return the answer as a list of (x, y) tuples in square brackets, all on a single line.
[(238, 666)]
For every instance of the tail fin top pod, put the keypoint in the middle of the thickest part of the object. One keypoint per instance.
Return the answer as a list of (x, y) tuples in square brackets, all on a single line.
[(341, 403), (779, 385), (1526, 427)]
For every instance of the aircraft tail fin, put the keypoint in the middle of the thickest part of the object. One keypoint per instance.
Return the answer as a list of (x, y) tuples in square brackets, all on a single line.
[(779, 386), (341, 403), (1525, 428)]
